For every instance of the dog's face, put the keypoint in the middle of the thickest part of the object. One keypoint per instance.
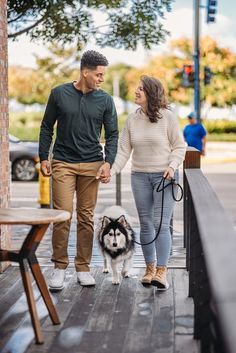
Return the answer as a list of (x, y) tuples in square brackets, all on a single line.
[(114, 233)]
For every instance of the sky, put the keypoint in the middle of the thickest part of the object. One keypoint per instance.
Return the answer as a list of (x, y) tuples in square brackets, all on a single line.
[(179, 22)]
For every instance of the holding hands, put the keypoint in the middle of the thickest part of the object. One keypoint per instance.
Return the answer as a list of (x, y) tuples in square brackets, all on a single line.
[(103, 173)]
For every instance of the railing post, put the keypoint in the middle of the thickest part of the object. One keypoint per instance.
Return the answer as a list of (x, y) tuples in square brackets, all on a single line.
[(118, 189), (192, 160)]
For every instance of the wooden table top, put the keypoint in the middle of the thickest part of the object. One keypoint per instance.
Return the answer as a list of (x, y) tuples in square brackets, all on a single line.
[(32, 215)]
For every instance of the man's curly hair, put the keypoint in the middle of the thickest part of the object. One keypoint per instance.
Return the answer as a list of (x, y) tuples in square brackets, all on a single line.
[(91, 59)]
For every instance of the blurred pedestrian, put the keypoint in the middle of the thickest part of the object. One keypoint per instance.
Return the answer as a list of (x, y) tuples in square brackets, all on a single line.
[(80, 109), (195, 134)]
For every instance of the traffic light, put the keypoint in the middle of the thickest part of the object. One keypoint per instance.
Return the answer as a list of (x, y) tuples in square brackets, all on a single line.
[(207, 75), (188, 75), (211, 10)]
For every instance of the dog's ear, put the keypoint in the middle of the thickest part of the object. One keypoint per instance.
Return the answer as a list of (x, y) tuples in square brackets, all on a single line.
[(105, 221), (122, 220)]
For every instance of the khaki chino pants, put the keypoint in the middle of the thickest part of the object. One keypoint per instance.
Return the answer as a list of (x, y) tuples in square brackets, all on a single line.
[(68, 178)]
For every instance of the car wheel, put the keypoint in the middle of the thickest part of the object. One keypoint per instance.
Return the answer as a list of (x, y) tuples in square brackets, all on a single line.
[(24, 169)]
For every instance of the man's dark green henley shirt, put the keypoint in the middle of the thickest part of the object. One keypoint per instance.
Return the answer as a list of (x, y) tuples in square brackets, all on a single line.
[(79, 118)]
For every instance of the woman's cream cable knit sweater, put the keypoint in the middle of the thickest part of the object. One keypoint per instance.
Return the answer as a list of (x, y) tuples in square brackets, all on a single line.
[(154, 146)]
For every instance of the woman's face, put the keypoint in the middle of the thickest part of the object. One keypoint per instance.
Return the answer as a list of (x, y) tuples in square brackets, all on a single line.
[(140, 97)]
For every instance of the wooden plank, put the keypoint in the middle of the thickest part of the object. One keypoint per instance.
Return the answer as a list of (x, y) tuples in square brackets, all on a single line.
[(227, 314), (16, 321), (192, 158), (186, 344), (137, 319), (162, 336), (138, 335), (112, 340), (183, 304), (16, 324), (217, 235), (71, 333), (64, 301), (115, 339), (8, 279), (101, 316)]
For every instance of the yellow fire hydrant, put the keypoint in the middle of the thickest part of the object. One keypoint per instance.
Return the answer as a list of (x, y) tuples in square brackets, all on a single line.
[(44, 190)]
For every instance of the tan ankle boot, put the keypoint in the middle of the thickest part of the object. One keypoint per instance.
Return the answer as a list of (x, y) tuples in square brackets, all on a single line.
[(149, 273), (159, 280)]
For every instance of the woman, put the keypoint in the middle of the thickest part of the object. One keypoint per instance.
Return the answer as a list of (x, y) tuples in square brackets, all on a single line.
[(153, 137)]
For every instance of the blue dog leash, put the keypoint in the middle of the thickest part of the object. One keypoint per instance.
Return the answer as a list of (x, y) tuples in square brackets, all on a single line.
[(173, 183)]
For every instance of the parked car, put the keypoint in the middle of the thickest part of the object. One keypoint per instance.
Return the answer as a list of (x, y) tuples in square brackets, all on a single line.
[(24, 158)]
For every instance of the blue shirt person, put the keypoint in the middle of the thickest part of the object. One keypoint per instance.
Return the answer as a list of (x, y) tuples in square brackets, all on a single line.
[(195, 134)]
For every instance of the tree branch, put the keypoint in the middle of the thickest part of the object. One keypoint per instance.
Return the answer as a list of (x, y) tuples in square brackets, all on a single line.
[(14, 35), (17, 18)]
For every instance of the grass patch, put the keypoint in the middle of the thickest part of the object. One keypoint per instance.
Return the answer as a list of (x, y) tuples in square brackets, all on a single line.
[(26, 126), (230, 137)]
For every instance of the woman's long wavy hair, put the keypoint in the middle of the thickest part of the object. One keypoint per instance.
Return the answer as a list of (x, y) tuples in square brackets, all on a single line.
[(156, 97)]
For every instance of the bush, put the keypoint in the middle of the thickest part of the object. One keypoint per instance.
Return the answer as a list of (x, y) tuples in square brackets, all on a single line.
[(26, 126), (218, 130), (220, 126)]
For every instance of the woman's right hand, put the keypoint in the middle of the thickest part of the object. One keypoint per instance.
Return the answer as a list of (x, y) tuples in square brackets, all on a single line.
[(169, 173), (45, 168)]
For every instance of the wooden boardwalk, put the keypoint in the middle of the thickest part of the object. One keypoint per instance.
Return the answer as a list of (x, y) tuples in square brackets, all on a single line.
[(126, 318)]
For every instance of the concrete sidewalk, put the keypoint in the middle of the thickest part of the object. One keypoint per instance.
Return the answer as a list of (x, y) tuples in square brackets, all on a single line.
[(219, 152)]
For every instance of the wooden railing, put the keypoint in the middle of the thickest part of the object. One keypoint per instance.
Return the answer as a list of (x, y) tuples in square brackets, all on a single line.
[(210, 242)]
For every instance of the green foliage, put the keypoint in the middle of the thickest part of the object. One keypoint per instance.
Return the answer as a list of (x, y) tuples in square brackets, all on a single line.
[(119, 72), (25, 126), (218, 130), (30, 86), (168, 68), (220, 126), (128, 22)]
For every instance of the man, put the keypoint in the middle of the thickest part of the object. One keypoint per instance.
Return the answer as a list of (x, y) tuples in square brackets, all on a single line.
[(80, 109), (195, 134)]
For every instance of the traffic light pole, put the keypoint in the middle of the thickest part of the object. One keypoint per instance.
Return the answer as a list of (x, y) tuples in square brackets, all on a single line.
[(196, 59)]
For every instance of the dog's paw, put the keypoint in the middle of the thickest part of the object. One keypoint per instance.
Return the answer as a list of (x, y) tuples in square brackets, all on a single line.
[(125, 274), (105, 270), (115, 281)]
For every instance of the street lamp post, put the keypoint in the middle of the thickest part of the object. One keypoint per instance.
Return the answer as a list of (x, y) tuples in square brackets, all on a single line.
[(196, 58)]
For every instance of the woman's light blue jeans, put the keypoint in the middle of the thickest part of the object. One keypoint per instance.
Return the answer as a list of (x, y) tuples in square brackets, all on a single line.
[(148, 204)]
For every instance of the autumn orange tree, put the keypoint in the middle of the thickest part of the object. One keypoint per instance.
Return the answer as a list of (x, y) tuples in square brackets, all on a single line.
[(30, 86), (168, 68)]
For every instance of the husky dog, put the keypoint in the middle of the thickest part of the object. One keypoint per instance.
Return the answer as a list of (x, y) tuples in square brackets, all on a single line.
[(116, 240)]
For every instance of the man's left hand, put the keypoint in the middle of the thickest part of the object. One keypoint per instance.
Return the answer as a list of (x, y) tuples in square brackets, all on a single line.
[(103, 173)]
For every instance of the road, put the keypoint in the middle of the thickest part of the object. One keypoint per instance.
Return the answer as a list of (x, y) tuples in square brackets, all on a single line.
[(222, 178)]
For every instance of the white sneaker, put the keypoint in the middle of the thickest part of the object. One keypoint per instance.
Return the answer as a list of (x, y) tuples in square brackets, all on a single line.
[(57, 279), (85, 279)]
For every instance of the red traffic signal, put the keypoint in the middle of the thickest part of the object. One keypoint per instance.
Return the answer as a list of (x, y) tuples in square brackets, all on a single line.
[(188, 75)]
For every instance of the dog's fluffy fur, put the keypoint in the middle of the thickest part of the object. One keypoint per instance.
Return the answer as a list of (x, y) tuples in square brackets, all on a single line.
[(116, 240)]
